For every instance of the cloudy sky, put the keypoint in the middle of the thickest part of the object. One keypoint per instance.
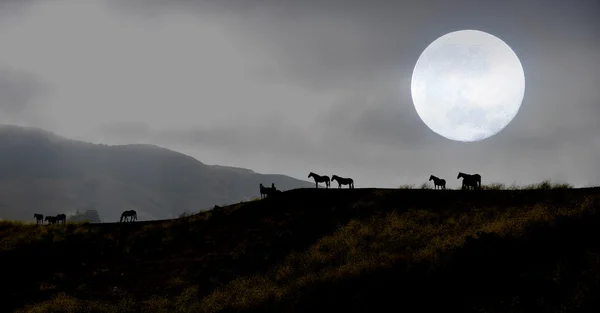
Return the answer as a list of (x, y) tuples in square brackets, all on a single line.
[(297, 86)]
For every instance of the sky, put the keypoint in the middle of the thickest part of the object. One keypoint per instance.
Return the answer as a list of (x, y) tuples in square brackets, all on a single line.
[(291, 87)]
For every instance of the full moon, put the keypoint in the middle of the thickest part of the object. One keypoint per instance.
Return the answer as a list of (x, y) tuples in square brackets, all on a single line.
[(467, 85)]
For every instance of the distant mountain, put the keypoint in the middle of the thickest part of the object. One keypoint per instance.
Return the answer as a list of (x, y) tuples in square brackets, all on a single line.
[(45, 173)]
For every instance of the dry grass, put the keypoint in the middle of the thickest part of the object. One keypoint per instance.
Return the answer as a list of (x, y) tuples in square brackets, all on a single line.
[(381, 241), (543, 185), (417, 235)]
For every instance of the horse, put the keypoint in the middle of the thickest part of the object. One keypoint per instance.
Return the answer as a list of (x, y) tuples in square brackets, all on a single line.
[(438, 182), (319, 179), (343, 181), (61, 217), (129, 216), (267, 191), (470, 180), (39, 218), (50, 219), (274, 190)]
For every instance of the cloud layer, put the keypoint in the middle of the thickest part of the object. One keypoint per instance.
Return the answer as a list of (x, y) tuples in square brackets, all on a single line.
[(297, 86)]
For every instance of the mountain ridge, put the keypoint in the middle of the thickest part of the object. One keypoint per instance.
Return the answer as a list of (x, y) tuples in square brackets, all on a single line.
[(50, 174)]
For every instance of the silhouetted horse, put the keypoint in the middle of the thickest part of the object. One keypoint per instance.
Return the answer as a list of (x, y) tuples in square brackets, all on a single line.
[(61, 217), (319, 179), (470, 180), (128, 216), (267, 191), (39, 218), (343, 181), (438, 182), (274, 190), (50, 219)]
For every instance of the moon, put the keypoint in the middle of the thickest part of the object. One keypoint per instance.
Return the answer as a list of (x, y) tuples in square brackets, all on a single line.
[(467, 85)]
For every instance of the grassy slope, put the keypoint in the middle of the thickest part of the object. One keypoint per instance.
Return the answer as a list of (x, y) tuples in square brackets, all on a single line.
[(357, 251)]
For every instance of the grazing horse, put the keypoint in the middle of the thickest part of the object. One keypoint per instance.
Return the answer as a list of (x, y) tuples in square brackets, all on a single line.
[(319, 179), (128, 216), (61, 217), (438, 182), (39, 218), (267, 191), (343, 181), (470, 180), (50, 219)]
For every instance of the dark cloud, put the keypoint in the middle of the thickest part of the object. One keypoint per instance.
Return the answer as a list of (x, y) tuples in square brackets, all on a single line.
[(364, 53), (126, 130), (18, 91), (15, 8), (333, 44), (378, 120), (268, 137)]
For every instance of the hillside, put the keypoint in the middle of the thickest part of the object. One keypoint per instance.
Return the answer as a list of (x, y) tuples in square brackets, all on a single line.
[(362, 250), (48, 174)]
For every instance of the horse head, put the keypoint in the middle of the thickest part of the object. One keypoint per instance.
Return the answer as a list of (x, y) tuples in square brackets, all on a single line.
[(311, 174), (430, 177), (460, 174)]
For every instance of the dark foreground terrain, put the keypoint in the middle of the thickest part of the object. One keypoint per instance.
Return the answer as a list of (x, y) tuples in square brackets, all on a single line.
[(362, 250)]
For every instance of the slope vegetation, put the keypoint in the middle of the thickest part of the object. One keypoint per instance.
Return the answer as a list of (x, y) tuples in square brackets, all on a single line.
[(362, 250)]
